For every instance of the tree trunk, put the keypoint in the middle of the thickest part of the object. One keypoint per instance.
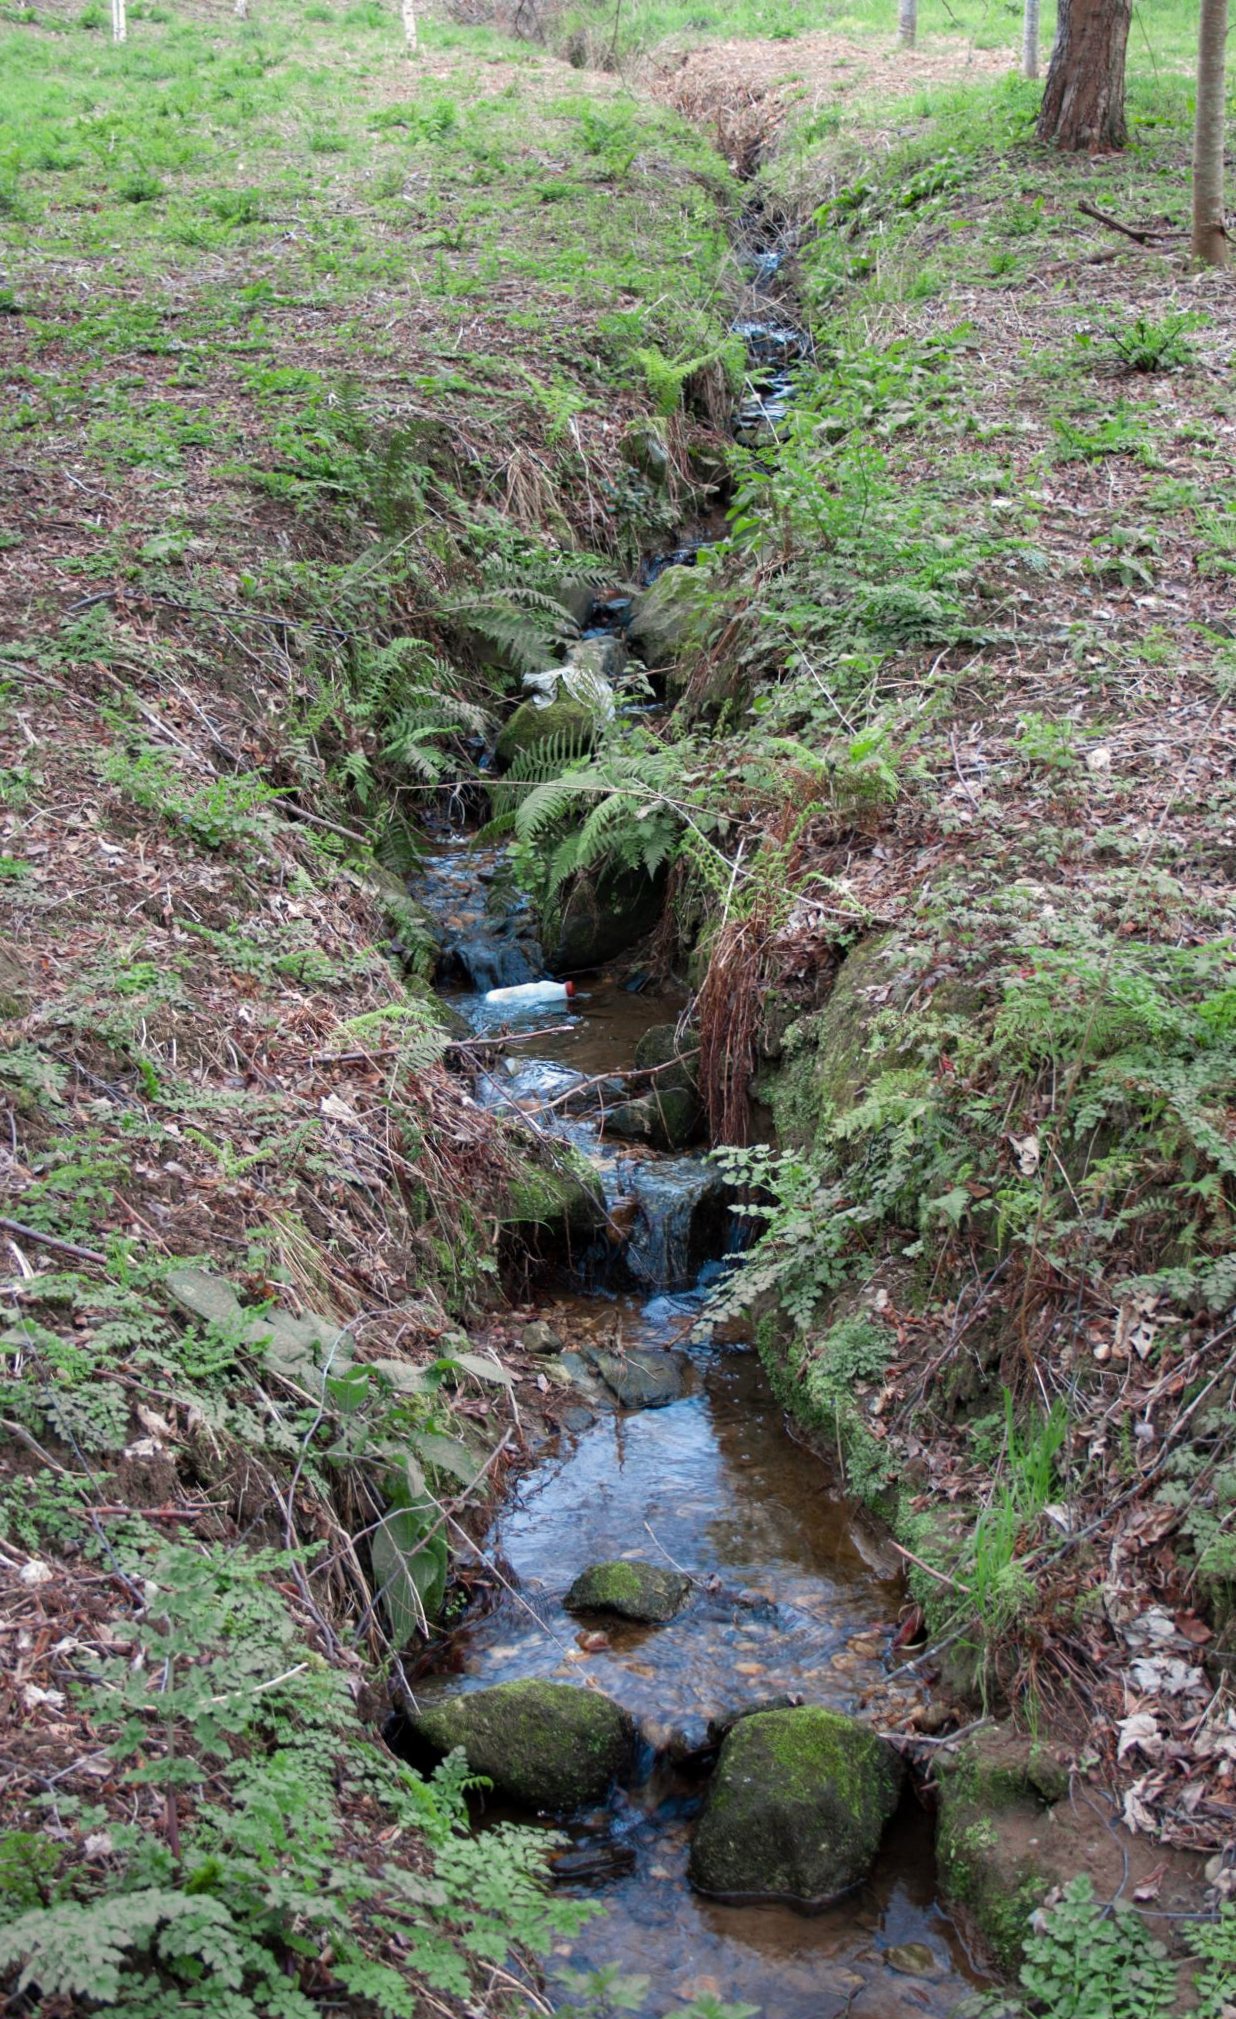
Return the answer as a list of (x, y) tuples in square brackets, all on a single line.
[(120, 25), (907, 22), (1083, 99), (1030, 39), (241, 10), (409, 26), (1209, 231)]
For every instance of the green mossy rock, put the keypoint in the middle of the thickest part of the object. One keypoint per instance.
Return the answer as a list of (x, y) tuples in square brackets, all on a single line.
[(561, 1196), (633, 1590), (542, 1744), (994, 1839), (830, 1058), (797, 1807), (530, 727)]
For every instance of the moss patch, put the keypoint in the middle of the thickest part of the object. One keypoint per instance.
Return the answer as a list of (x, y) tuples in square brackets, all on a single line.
[(633, 1590), (797, 1807), (543, 1744)]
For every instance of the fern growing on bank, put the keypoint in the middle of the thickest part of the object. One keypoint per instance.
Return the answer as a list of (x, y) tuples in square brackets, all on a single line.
[(251, 1881)]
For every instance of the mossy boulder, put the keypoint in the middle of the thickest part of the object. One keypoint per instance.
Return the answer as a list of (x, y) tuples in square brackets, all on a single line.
[(669, 617), (572, 723), (797, 1807), (560, 1196), (544, 1745), (633, 1590), (994, 1843)]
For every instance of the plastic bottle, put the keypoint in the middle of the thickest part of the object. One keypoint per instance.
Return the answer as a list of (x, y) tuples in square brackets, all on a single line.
[(533, 991)]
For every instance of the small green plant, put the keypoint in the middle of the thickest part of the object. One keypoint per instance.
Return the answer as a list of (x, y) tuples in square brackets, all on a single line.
[(1086, 1960), (1144, 345)]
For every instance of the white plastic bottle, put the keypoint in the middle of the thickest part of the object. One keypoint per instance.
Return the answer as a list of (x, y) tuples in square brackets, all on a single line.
[(533, 991)]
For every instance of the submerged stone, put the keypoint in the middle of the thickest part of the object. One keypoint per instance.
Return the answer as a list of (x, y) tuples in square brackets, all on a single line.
[(643, 1379), (797, 1807), (631, 1589), (542, 1744)]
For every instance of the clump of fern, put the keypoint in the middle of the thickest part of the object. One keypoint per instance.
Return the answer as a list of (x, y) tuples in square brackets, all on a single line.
[(391, 717), (528, 627)]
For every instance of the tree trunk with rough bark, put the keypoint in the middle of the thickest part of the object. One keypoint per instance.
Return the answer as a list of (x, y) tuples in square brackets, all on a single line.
[(1030, 39), (1209, 228), (1083, 99), (907, 22), (409, 26)]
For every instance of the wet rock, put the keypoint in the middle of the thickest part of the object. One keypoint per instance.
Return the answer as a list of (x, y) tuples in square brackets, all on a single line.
[(631, 1589), (682, 1221), (911, 1959), (542, 1744), (560, 1197), (540, 1338), (797, 1807), (569, 723), (586, 1382), (719, 1728), (599, 921), (666, 1119), (642, 1379)]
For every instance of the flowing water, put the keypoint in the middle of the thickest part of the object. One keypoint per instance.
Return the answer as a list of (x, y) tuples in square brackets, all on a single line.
[(794, 1597)]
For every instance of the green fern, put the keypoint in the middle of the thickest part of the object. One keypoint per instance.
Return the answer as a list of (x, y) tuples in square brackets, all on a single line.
[(529, 627)]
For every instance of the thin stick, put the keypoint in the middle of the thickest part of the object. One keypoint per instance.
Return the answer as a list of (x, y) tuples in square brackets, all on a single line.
[(53, 1241)]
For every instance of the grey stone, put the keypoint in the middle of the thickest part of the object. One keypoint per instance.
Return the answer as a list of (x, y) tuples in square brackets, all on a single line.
[(643, 1379), (540, 1338)]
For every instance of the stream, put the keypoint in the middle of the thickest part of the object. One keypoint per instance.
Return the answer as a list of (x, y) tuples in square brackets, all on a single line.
[(795, 1597)]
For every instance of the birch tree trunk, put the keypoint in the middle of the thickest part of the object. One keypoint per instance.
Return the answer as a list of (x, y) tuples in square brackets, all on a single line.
[(907, 22), (409, 26), (1030, 39), (120, 25), (1083, 98), (1209, 231), (241, 10)]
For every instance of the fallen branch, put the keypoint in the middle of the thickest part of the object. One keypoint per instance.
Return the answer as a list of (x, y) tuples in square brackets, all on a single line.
[(52, 1241), (1142, 236)]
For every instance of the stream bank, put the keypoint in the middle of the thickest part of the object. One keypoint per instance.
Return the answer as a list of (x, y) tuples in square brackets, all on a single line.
[(668, 1458)]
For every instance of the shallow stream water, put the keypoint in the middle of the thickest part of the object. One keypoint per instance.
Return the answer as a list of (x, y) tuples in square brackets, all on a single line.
[(794, 1596)]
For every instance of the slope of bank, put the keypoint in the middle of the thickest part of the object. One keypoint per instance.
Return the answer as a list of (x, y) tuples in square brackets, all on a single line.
[(318, 370), (950, 764)]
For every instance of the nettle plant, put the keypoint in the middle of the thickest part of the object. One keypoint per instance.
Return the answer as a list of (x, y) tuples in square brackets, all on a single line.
[(240, 1888)]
